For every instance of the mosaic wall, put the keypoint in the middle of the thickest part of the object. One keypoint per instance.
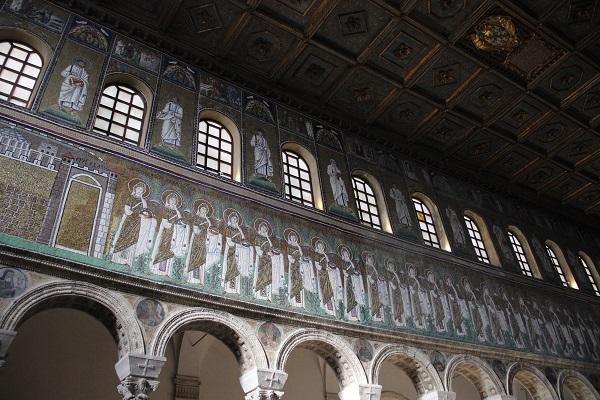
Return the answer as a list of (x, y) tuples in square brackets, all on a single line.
[(141, 223), (159, 228)]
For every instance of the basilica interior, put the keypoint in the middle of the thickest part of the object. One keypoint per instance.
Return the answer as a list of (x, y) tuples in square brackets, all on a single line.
[(300, 199)]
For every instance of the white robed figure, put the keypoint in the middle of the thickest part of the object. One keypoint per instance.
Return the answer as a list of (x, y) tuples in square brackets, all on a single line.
[(74, 87), (237, 255), (269, 267), (172, 240), (377, 288), (399, 296), (338, 187), (301, 276), (205, 245), (354, 295), (172, 117), (331, 289), (135, 234), (263, 165)]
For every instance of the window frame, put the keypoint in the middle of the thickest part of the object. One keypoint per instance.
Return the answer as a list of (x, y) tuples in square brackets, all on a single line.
[(442, 238), (31, 50), (527, 254), (486, 237), (113, 109), (562, 263), (220, 150), (233, 130), (289, 176), (476, 240), (591, 272), (366, 216), (380, 202)]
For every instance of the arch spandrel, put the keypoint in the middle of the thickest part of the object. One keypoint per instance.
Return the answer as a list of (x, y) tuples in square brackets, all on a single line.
[(413, 362), (83, 296), (335, 350), (234, 332), (477, 371), (532, 379)]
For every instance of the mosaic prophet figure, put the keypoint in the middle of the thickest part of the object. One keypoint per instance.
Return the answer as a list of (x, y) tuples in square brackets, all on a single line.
[(73, 90)]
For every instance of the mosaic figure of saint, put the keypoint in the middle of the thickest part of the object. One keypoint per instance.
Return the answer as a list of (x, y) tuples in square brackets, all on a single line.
[(205, 243), (74, 87), (377, 288), (496, 318), (399, 295), (501, 239), (172, 241), (515, 322), (263, 165), (268, 262), (354, 285), (438, 301), (237, 255), (331, 288), (589, 330), (134, 238), (419, 299), (302, 280), (172, 117), (476, 310), (457, 230), (458, 307), (401, 207), (338, 187)]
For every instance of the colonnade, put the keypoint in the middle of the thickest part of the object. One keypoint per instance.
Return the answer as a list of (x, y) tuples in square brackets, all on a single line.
[(262, 370)]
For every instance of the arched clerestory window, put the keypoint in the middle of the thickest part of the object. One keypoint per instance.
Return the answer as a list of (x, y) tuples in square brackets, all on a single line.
[(559, 263), (522, 252), (219, 145), (300, 176), (590, 271), (481, 239), (370, 202), (430, 222), (215, 148), (121, 113), (20, 68)]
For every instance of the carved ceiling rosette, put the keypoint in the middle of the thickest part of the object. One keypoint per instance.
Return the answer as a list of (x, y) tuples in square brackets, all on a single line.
[(496, 34)]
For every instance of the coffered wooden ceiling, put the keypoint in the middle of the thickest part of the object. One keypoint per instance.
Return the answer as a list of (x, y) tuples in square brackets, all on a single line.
[(407, 74)]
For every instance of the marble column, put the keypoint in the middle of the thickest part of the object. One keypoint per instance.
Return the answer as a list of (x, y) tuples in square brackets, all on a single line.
[(263, 384), (138, 374)]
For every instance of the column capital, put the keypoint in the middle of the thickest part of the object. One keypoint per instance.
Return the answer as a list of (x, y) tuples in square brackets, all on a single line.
[(364, 391), (369, 392), (437, 395), (138, 374), (263, 384), (501, 397), (6, 338)]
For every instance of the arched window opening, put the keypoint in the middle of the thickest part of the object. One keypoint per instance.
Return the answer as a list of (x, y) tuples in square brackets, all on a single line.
[(477, 240), (426, 223), (120, 114), (296, 179), (20, 67), (587, 265), (215, 148), (520, 254), (554, 261), (366, 203)]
